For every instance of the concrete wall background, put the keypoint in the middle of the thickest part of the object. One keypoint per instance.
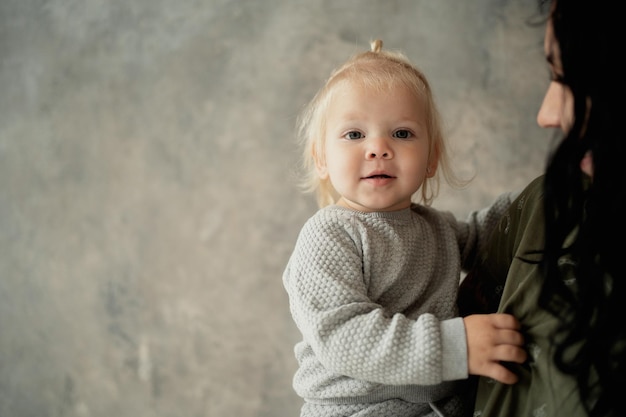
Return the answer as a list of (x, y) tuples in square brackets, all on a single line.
[(147, 200)]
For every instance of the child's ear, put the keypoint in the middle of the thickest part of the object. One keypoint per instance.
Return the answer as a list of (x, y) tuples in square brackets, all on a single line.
[(433, 161), (432, 167), (321, 168), (320, 165)]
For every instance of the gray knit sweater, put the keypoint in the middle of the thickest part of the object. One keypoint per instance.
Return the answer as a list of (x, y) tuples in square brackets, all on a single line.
[(374, 296)]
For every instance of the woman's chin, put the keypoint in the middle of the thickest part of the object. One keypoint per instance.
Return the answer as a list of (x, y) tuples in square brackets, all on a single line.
[(586, 164)]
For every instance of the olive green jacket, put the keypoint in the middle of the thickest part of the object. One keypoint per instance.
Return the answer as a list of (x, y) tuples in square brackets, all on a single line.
[(508, 280)]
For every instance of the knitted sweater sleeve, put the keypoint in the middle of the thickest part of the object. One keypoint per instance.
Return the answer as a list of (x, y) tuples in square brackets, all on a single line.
[(349, 333), (474, 232)]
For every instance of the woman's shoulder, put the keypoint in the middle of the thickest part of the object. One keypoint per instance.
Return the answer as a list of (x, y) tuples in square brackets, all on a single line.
[(529, 204), (534, 190)]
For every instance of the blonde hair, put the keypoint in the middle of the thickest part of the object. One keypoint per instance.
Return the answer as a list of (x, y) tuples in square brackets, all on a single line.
[(376, 69)]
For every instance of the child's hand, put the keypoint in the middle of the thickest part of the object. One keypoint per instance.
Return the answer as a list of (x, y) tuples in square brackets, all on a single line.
[(492, 338)]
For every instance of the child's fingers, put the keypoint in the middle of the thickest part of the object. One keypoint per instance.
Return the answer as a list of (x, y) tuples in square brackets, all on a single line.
[(504, 321), (509, 353), (509, 337), (501, 374)]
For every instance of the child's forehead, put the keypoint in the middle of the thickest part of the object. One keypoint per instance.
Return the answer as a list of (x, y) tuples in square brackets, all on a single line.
[(354, 100), (369, 86)]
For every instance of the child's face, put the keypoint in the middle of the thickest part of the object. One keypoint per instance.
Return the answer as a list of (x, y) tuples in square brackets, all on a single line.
[(376, 147)]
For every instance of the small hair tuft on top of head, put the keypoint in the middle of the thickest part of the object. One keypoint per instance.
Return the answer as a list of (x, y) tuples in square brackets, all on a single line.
[(376, 45)]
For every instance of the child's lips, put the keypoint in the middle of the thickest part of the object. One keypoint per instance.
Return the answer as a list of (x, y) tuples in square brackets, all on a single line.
[(379, 179), (378, 174)]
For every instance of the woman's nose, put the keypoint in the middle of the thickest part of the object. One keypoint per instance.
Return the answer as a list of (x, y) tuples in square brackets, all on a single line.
[(551, 108)]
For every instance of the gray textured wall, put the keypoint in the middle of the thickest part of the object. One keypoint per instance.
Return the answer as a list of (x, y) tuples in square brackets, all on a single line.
[(147, 203)]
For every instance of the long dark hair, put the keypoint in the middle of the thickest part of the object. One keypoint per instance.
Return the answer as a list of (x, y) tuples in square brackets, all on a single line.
[(586, 219)]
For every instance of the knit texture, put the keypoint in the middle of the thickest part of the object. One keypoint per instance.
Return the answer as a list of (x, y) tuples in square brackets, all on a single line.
[(374, 296)]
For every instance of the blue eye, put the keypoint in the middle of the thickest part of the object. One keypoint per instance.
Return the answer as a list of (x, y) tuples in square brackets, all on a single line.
[(402, 134), (353, 135)]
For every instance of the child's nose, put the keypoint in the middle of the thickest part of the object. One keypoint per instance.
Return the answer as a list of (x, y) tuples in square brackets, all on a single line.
[(378, 148)]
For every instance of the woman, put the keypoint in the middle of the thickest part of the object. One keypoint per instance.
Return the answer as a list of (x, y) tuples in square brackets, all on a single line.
[(561, 245)]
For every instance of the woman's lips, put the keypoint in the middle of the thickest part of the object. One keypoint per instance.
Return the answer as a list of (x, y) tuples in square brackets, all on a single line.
[(586, 164)]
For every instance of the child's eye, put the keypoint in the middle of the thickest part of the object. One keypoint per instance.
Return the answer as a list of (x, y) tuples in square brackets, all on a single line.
[(402, 134), (353, 135)]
